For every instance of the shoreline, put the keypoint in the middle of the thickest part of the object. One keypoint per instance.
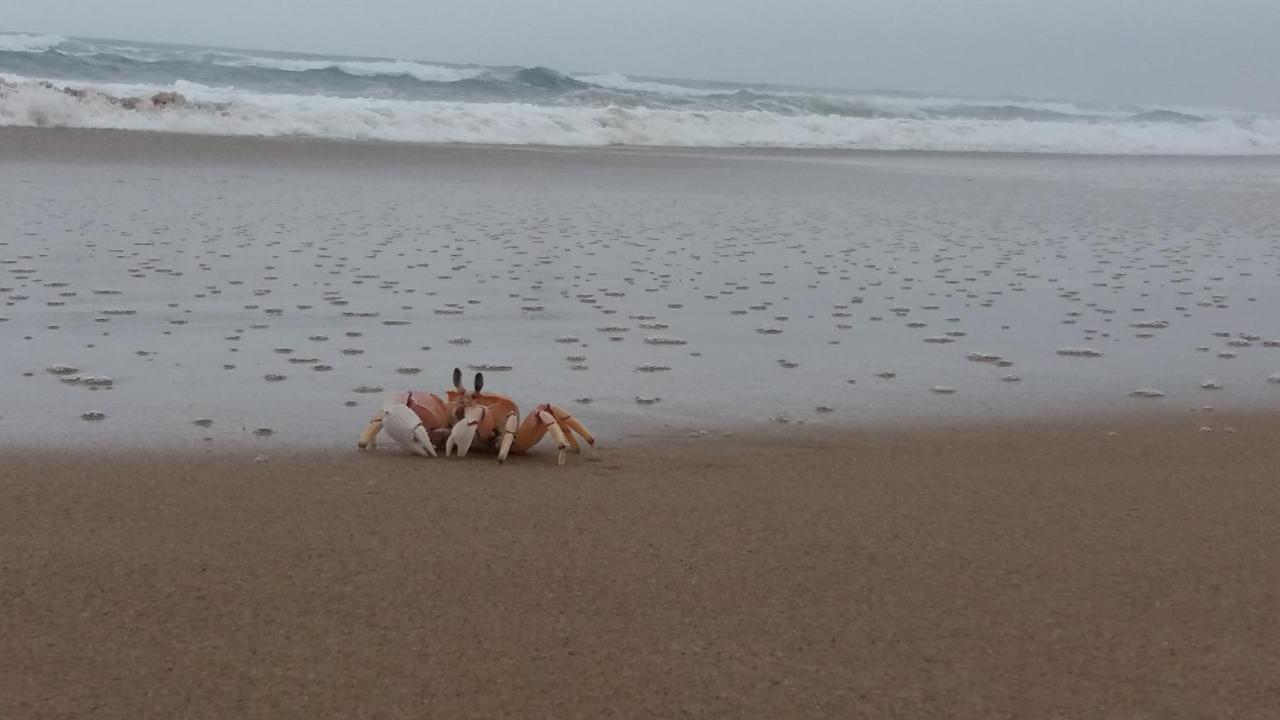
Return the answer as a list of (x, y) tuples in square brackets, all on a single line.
[(1029, 571), (634, 433), (109, 144)]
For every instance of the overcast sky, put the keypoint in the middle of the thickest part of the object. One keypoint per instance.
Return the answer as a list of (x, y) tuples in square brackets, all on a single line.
[(1195, 52)]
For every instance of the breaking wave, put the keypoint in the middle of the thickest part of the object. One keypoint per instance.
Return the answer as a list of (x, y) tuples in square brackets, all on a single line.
[(30, 43), (618, 81), (206, 110), (360, 68), (50, 81)]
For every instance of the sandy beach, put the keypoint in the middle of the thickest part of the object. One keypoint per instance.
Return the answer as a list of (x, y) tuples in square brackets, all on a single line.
[(1121, 569), (882, 435)]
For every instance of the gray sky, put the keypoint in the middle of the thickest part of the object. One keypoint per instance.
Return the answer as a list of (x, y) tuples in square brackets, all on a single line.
[(1206, 52)]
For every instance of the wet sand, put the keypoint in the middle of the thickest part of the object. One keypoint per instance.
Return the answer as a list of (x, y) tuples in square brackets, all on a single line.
[(153, 281), (1047, 570)]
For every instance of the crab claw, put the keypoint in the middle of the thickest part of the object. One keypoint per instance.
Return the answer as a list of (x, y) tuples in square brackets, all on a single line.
[(403, 425), (464, 432)]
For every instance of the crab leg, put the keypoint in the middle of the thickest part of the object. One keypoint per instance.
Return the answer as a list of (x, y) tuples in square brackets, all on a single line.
[(564, 418), (557, 433), (508, 431), (535, 425), (369, 438), (570, 439)]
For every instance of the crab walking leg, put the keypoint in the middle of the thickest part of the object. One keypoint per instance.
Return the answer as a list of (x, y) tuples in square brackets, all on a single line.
[(369, 438), (464, 432), (535, 425), (508, 436), (558, 434), (403, 425), (564, 418), (570, 439)]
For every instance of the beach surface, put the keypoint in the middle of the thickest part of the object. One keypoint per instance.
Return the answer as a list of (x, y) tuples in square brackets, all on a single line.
[(149, 281), (882, 435), (1118, 569)]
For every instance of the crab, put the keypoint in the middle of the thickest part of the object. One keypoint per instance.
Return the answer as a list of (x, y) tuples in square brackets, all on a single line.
[(423, 423)]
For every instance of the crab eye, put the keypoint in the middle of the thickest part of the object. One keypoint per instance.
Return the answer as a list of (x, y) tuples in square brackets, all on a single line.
[(479, 381)]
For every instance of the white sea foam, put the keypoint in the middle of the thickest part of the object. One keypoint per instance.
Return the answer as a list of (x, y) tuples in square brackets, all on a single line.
[(912, 104), (618, 81), (26, 103), (362, 68), (30, 43)]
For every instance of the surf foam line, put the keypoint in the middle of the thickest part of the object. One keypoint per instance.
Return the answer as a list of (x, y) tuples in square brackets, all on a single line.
[(223, 111), (29, 43), (357, 68)]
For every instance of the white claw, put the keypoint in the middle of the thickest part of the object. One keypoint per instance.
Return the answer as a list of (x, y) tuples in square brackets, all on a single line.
[(464, 432), (403, 425), (424, 441)]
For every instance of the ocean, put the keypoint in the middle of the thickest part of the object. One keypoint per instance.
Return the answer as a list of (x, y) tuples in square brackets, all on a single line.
[(52, 81)]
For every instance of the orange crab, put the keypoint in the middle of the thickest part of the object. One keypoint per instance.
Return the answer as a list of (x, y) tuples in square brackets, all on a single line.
[(422, 423)]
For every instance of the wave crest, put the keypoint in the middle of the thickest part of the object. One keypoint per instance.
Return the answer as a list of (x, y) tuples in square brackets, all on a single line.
[(228, 112), (618, 81), (30, 43), (360, 68)]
